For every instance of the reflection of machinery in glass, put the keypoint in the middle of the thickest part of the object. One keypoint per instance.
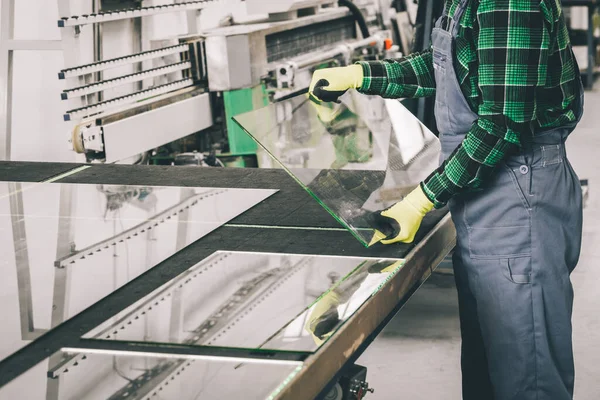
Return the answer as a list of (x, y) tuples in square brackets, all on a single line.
[(244, 301), (137, 196), (308, 134), (197, 159), (351, 137)]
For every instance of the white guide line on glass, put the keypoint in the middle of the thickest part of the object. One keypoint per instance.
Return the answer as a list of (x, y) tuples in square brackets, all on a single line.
[(120, 61), (123, 80), (124, 100), (116, 15)]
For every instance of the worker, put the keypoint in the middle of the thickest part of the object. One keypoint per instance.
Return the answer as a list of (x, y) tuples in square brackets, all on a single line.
[(507, 95)]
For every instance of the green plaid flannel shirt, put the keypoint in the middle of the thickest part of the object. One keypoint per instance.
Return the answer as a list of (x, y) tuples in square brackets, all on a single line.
[(514, 63)]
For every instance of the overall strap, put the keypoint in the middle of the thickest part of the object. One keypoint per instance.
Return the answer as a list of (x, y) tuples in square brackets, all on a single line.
[(454, 22)]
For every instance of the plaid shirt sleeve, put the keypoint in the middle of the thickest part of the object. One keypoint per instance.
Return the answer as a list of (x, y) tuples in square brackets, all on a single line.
[(411, 76), (512, 50)]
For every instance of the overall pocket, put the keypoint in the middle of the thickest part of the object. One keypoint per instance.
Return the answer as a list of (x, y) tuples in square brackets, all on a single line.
[(518, 269), (498, 218)]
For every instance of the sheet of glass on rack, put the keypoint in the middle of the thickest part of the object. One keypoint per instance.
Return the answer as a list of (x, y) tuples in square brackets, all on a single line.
[(284, 302), (66, 246), (99, 375), (354, 158)]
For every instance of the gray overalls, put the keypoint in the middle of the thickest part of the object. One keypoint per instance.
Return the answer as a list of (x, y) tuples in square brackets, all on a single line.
[(518, 239)]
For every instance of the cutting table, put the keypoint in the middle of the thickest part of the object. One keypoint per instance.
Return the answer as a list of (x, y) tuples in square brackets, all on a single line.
[(287, 222)]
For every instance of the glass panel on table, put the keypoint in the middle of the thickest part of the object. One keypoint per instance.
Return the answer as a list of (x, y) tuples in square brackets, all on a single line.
[(66, 246), (82, 375), (355, 158), (282, 302)]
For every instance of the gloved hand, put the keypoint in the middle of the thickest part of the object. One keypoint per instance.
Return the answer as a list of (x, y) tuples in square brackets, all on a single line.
[(383, 267), (328, 84), (324, 318), (401, 222)]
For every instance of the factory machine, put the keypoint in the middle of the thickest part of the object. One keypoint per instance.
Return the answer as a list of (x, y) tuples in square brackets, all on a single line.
[(186, 89), (139, 282)]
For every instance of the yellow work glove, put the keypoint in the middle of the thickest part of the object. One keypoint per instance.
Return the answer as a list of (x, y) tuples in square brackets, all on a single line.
[(324, 318), (384, 267), (328, 84), (401, 222)]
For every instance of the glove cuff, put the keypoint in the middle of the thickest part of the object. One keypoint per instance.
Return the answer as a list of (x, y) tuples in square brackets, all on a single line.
[(355, 71), (419, 200)]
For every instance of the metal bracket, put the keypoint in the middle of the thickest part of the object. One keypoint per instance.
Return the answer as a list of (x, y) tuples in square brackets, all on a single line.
[(93, 139), (87, 138), (285, 75)]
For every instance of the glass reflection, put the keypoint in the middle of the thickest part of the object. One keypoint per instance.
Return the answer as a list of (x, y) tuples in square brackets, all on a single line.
[(98, 376), (67, 246), (252, 300), (355, 158)]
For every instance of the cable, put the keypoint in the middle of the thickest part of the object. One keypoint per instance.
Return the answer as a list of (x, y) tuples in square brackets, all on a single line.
[(116, 369), (358, 15)]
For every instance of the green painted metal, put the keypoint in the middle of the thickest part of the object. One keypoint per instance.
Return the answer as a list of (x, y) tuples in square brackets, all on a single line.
[(238, 102)]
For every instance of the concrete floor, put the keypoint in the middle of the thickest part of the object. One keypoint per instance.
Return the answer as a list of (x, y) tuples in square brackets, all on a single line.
[(417, 355)]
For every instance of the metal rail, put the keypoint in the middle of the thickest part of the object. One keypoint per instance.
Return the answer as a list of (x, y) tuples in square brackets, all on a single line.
[(120, 61), (123, 80), (115, 15), (124, 100)]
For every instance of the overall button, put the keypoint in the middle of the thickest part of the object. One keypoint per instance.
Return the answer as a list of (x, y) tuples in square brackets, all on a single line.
[(524, 169)]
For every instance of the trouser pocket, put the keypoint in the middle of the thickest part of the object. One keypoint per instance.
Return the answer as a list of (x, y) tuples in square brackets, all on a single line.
[(498, 219), (518, 269), (522, 181)]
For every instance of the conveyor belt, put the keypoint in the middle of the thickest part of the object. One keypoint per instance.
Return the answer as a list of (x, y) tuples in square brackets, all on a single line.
[(120, 61), (290, 221), (117, 15)]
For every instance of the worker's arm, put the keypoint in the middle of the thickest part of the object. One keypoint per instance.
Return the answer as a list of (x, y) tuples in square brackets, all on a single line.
[(513, 62), (411, 76), (408, 77)]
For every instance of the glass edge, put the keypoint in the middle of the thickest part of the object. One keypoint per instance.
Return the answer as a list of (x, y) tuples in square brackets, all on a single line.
[(389, 277), (166, 345), (305, 187), (285, 382)]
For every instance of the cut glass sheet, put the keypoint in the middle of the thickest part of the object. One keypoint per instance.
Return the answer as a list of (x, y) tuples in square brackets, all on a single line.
[(268, 301), (99, 375), (354, 158), (66, 246)]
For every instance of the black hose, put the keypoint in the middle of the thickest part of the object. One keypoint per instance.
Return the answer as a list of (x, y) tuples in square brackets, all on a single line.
[(358, 16)]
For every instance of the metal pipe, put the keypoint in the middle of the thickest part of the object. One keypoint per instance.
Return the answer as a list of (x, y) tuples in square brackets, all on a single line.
[(96, 6), (426, 38), (6, 61), (358, 16)]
